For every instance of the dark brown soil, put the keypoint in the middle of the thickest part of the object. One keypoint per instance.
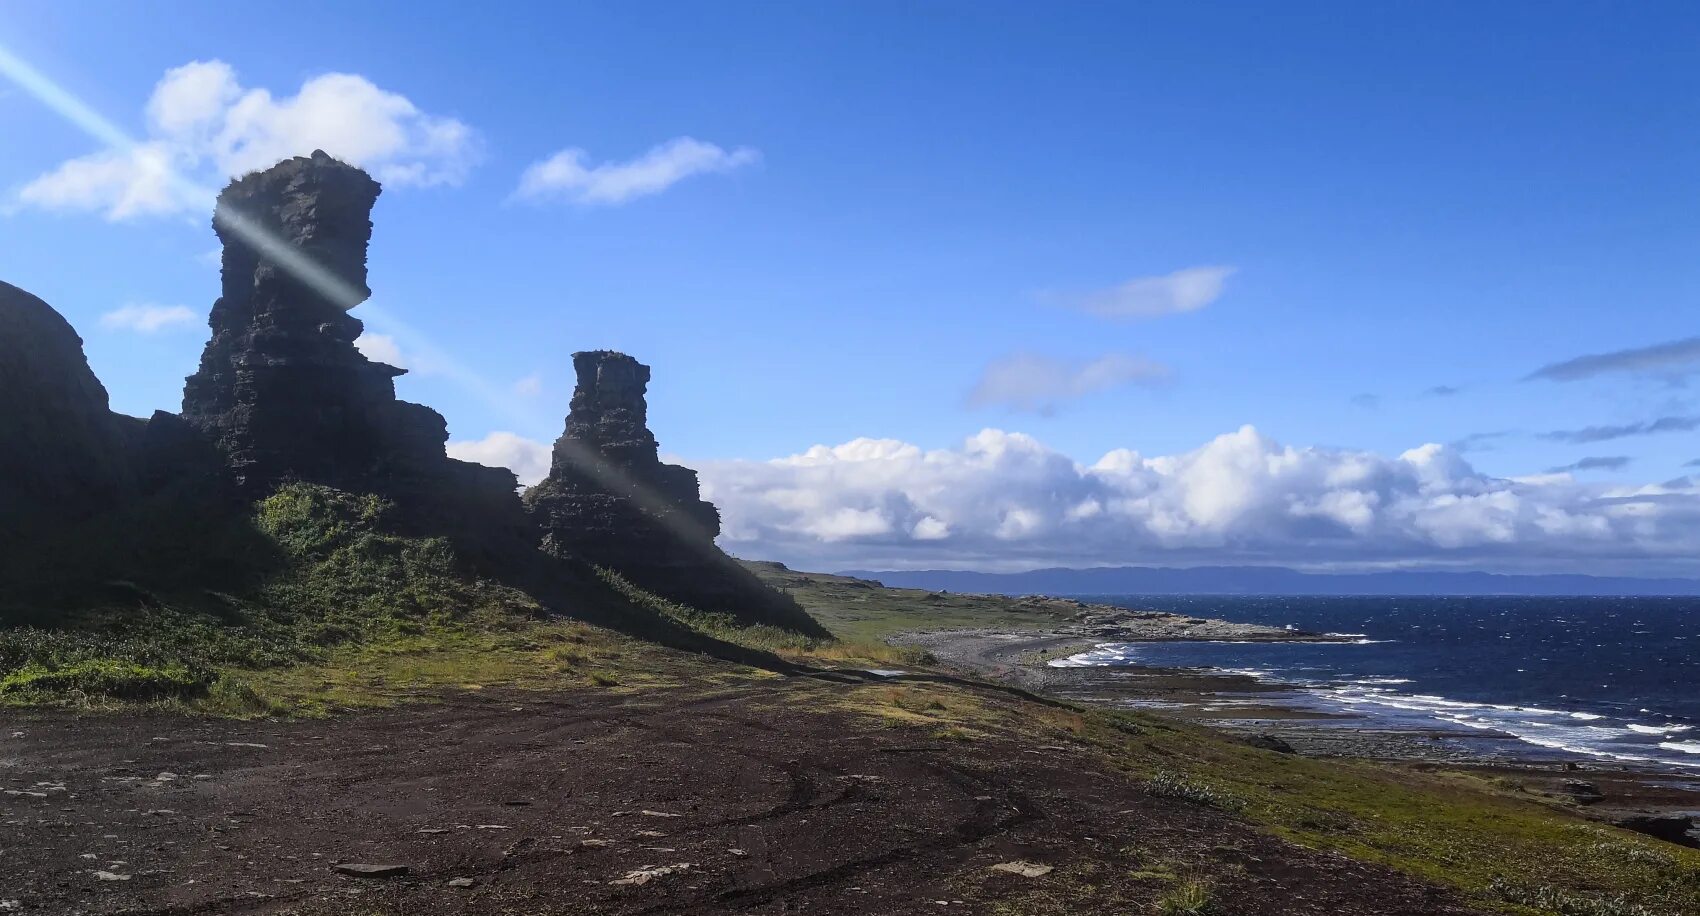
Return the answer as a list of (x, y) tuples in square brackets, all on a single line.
[(762, 801)]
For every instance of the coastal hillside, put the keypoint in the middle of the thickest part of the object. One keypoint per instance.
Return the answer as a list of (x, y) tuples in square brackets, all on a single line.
[(296, 504), (278, 653)]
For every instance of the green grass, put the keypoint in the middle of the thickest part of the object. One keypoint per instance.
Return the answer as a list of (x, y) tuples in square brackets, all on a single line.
[(780, 642), (330, 609), (859, 610), (1189, 897), (1169, 785), (110, 678), (345, 614)]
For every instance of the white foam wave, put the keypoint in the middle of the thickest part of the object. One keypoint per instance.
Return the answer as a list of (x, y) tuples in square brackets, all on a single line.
[(1572, 731)]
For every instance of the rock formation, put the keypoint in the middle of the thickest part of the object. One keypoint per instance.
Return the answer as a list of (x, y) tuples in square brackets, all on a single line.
[(610, 501), (62, 450), (282, 390), (283, 395)]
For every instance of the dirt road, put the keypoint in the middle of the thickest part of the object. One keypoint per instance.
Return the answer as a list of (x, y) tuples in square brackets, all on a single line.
[(748, 799)]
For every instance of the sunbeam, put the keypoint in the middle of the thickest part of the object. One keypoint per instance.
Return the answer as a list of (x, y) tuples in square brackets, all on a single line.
[(335, 289)]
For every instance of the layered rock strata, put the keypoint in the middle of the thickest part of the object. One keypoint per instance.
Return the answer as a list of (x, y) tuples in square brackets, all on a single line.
[(611, 501), (283, 391)]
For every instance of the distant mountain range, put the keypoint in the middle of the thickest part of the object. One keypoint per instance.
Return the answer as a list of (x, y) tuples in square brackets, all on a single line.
[(1266, 580)]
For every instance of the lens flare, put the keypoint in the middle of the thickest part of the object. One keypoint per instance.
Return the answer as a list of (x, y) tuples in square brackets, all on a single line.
[(326, 283)]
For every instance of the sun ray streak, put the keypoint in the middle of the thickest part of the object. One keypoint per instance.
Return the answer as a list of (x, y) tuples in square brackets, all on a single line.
[(334, 288)]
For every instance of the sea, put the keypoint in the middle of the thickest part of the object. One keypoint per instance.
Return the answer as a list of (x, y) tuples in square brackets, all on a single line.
[(1615, 679)]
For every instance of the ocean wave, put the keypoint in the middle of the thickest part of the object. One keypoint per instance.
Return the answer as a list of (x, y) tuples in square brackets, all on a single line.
[(1604, 735), (1658, 729), (1549, 728)]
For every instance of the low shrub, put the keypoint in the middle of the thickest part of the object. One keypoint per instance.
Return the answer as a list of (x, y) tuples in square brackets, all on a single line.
[(1173, 785)]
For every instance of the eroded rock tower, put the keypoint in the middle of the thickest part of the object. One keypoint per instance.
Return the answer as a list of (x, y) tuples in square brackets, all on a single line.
[(611, 501), (283, 391)]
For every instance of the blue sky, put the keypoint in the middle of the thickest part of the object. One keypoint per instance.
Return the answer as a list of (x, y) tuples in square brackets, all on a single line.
[(907, 221)]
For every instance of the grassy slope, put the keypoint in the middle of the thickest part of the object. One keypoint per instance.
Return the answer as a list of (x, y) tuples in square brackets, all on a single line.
[(864, 610), (327, 609)]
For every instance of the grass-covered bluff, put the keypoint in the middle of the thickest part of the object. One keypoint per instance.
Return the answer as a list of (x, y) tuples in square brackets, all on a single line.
[(329, 607)]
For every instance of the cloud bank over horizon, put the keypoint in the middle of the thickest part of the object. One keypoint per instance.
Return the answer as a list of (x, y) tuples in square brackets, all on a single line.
[(1004, 501)]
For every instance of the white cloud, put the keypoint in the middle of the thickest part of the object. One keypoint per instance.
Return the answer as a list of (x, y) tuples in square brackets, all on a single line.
[(565, 174), (203, 125), (381, 348), (1004, 500), (1186, 290), (529, 387), (528, 460), (148, 319), (1032, 382), (124, 184)]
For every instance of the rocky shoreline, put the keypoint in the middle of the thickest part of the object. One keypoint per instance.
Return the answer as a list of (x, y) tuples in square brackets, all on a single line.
[(1290, 719)]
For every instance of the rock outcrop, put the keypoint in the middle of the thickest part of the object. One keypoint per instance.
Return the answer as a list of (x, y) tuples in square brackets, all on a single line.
[(283, 395), (610, 501), (283, 392), (62, 450)]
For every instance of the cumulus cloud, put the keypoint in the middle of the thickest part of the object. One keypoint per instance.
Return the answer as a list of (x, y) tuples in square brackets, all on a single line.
[(1624, 430), (381, 348), (147, 318), (1005, 500), (1594, 463), (567, 176), (529, 460), (204, 125), (1036, 383), (1186, 290), (1675, 358)]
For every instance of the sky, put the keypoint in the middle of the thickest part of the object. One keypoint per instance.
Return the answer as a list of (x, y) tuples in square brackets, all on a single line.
[(975, 285)]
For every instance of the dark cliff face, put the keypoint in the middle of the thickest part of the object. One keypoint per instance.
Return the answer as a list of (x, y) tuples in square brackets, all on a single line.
[(283, 392), (283, 395), (62, 454), (281, 388), (610, 501)]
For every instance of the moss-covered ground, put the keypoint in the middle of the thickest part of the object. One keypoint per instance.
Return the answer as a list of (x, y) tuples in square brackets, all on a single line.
[(1504, 852), (860, 610)]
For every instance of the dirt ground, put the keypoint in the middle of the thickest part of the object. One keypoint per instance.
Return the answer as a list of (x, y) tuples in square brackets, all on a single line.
[(749, 799)]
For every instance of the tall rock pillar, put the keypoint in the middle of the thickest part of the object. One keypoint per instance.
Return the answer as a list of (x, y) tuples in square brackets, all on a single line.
[(610, 501), (282, 390)]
